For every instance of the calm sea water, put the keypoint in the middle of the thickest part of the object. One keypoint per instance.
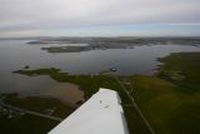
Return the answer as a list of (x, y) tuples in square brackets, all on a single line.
[(15, 54)]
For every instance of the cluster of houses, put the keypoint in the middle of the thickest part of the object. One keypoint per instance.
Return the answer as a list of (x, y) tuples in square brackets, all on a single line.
[(9, 113)]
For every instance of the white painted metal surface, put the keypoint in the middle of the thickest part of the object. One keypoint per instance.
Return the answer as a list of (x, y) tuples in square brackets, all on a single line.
[(101, 114)]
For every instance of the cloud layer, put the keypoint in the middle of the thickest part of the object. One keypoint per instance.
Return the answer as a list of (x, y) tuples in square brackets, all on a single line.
[(35, 16)]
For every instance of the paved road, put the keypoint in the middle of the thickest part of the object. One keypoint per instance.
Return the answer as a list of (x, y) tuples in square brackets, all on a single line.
[(135, 105), (31, 112)]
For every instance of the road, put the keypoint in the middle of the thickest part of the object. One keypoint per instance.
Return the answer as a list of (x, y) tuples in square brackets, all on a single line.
[(135, 105), (31, 112)]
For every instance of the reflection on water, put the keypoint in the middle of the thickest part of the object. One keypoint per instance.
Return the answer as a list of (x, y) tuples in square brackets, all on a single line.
[(68, 93), (15, 54)]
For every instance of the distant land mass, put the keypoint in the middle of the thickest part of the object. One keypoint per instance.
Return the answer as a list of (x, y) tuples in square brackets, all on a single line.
[(104, 43)]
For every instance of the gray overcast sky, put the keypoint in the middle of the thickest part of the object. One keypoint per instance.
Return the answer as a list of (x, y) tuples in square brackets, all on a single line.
[(79, 17)]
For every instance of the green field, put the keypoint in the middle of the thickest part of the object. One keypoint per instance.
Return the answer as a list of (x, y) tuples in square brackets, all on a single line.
[(170, 103), (170, 99)]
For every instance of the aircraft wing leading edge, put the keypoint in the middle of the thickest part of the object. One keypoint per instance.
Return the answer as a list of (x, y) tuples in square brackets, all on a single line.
[(101, 114)]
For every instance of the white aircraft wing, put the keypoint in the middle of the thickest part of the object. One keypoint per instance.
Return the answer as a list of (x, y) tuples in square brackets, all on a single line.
[(101, 114)]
